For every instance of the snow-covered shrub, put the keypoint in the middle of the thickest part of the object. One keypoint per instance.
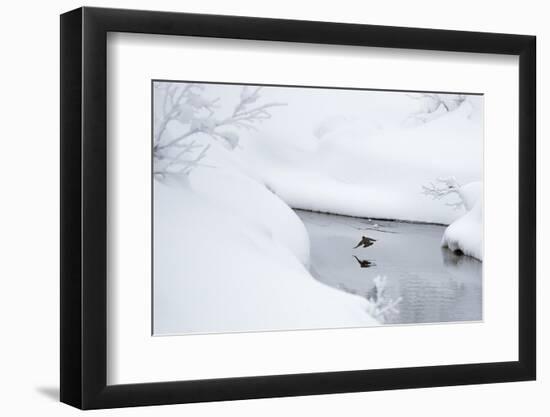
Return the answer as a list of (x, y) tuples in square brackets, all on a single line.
[(467, 194), (380, 306), (183, 112), (432, 105)]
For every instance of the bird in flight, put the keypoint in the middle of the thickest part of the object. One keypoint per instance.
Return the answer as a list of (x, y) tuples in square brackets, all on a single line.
[(365, 242), (364, 263)]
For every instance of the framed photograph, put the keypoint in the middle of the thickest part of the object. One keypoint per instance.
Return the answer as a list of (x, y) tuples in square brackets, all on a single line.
[(257, 207)]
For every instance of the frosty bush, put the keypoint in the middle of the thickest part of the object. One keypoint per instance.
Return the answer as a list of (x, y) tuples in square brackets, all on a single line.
[(381, 307), (431, 106), (184, 108), (445, 187)]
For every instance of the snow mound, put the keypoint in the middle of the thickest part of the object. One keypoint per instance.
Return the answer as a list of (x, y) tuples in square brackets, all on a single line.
[(471, 194), (250, 203), (466, 233), (247, 271)]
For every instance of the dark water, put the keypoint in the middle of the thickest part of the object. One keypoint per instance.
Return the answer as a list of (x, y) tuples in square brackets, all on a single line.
[(434, 284)]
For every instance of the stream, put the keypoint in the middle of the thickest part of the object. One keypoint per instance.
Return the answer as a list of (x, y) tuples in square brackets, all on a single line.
[(430, 283)]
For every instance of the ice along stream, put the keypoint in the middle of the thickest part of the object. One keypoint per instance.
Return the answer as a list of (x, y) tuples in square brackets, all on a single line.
[(434, 284)]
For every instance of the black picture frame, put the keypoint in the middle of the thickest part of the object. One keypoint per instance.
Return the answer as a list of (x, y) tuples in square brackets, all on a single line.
[(84, 207)]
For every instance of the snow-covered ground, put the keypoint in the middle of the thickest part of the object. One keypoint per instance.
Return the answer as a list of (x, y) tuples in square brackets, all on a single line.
[(231, 255), (363, 169), (224, 266)]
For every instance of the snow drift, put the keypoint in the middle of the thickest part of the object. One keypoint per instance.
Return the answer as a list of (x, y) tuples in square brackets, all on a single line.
[(224, 266), (466, 233), (362, 168)]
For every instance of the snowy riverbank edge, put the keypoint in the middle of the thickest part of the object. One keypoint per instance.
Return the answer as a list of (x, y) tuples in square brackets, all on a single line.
[(466, 233), (249, 269)]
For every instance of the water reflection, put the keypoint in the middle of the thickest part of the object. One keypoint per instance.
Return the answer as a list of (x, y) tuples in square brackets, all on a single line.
[(364, 263), (433, 284)]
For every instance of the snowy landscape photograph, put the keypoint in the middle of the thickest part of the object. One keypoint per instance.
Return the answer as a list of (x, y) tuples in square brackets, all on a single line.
[(291, 208)]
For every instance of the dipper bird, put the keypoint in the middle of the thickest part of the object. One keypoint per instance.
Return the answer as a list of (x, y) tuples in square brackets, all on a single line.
[(365, 242)]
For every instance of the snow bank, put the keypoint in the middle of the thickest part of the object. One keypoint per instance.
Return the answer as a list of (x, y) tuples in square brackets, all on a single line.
[(249, 203), (360, 168), (471, 193), (466, 233), (230, 256)]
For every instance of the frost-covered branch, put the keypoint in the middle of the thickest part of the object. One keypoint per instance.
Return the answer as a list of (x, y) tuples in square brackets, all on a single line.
[(432, 105), (380, 306), (185, 165), (186, 108), (443, 188), (245, 114)]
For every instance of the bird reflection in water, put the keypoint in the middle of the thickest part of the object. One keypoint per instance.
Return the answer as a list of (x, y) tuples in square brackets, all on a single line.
[(364, 263)]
